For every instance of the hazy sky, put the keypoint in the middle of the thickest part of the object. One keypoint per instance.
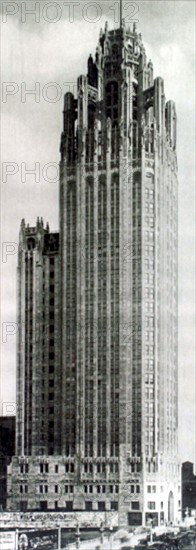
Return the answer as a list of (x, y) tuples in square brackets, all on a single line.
[(46, 52)]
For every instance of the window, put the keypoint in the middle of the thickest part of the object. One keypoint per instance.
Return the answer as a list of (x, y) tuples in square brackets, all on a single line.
[(148, 488), (43, 468), (135, 505), (56, 465), (56, 488), (88, 506), (151, 505), (112, 100), (23, 505), (43, 505), (101, 505)]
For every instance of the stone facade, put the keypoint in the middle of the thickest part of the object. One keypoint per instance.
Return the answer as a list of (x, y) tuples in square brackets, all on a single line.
[(117, 408), (38, 380)]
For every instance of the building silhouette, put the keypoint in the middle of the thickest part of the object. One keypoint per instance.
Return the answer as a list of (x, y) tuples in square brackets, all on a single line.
[(107, 439), (7, 450), (188, 489)]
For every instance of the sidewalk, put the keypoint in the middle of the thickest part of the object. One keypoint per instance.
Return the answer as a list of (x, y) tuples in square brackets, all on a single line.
[(95, 544), (110, 544)]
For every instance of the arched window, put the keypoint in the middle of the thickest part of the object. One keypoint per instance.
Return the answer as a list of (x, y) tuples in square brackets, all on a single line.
[(115, 51), (112, 101), (149, 115), (91, 115), (31, 244)]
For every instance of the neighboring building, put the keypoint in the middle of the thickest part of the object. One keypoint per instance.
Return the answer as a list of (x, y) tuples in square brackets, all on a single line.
[(38, 380), (116, 419), (7, 450), (188, 488)]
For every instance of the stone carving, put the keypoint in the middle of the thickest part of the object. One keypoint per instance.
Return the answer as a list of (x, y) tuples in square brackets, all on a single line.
[(143, 129), (121, 132), (95, 134), (108, 132)]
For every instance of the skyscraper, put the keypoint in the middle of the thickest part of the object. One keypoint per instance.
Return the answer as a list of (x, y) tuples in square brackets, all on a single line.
[(117, 369), (38, 390)]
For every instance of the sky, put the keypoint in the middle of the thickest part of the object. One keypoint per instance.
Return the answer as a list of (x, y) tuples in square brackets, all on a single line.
[(48, 50)]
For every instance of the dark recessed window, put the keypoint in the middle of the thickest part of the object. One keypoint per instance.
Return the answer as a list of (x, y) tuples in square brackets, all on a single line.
[(135, 505)]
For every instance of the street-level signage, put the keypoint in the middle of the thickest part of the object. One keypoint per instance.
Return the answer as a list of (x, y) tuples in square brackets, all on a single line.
[(7, 540)]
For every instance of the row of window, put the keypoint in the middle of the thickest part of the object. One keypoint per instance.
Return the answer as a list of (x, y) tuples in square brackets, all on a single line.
[(88, 467), (101, 489), (101, 468), (88, 489), (101, 505)]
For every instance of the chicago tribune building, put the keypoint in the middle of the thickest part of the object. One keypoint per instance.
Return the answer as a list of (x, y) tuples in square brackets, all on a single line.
[(97, 354)]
